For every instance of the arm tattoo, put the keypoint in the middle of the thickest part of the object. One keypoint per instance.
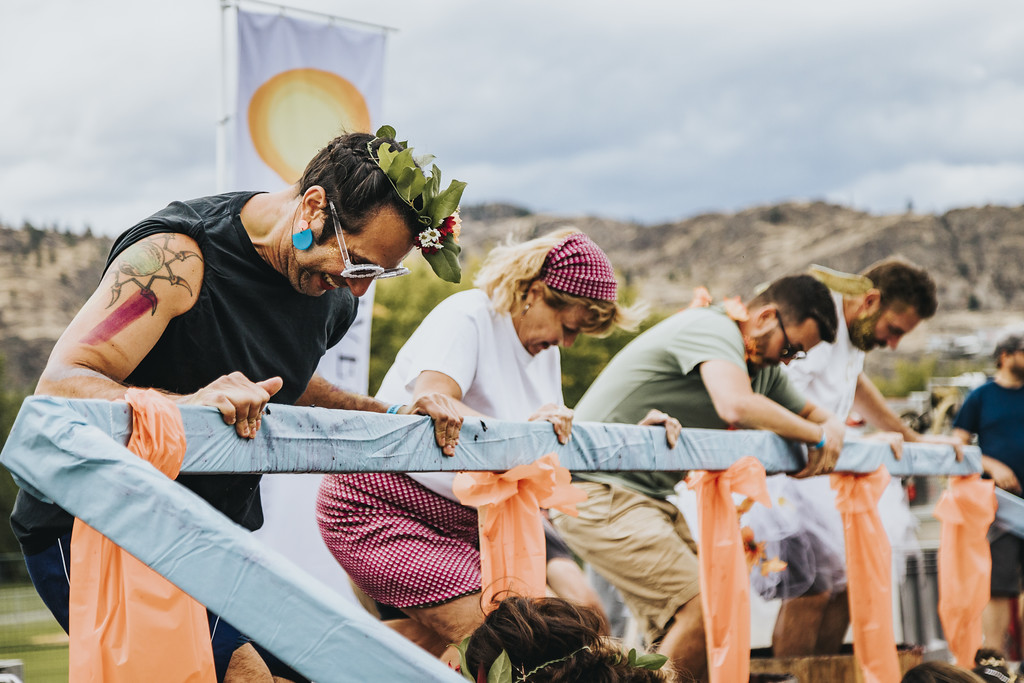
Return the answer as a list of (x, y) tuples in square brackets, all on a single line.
[(153, 261), (147, 262)]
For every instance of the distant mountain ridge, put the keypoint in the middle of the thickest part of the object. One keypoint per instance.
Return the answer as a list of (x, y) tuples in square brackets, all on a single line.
[(975, 255)]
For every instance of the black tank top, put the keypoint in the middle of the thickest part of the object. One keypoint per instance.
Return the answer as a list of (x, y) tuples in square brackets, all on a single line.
[(247, 318)]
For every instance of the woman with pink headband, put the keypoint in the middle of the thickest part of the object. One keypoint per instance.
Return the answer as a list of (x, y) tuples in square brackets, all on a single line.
[(403, 539)]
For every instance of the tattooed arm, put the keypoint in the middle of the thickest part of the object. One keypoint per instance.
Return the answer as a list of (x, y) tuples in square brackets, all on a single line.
[(151, 282)]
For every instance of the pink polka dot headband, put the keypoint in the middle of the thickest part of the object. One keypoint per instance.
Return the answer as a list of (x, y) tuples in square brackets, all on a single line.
[(578, 266)]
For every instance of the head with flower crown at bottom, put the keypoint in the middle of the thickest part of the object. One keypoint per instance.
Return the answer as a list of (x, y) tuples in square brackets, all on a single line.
[(551, 640)]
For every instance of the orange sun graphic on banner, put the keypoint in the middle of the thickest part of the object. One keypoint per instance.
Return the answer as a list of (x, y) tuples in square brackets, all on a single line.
[(294, 113)]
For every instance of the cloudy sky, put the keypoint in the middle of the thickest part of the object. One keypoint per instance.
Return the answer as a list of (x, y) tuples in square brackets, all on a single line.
[(646, 110)]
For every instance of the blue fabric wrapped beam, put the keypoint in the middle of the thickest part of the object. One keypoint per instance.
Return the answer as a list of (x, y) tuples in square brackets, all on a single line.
[(1010, 514), (68, 450), (322, 440), (57, 452)]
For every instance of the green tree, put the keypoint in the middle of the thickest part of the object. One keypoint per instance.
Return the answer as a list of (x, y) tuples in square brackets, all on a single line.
[(584, 360), (909, 375), (399, 307)]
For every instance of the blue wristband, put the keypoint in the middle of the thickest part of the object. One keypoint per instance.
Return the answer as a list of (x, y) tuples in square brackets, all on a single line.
[(393, 410), (821, 444)]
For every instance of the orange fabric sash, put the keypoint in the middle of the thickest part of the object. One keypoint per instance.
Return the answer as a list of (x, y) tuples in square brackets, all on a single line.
[(724, 575), (127, 622), (869, 571), (966, 511), (512, 552)]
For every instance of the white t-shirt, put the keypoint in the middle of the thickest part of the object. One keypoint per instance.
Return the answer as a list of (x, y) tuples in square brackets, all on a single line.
[(465, 339), (828, 376)]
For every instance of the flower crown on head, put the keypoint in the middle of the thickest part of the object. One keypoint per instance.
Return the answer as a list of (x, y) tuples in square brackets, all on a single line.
[(438, 209), (502, 671)]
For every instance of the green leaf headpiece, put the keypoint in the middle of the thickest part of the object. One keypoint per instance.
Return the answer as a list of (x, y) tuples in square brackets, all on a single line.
[(502, 671), (438, 209)]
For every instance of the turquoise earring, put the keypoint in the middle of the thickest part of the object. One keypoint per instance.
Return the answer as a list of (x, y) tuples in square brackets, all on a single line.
[(303, 239)]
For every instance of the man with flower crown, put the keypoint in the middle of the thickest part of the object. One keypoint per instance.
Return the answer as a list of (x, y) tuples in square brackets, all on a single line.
[(229, 301)]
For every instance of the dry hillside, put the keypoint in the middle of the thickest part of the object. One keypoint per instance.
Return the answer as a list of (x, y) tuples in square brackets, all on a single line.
[(45, 277), (975, 255)]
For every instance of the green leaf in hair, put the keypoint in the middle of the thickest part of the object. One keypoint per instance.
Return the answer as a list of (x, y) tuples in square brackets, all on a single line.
[(409, 184), (501, 669), (445, 263), (437, 210), (447, 202), (463, 659), (651, 661)]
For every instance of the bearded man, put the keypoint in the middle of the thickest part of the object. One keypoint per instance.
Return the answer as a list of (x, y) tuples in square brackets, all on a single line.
[(714, 371), (876, 309)]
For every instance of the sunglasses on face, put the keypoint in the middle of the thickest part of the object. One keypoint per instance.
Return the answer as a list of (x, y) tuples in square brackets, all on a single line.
[(360, 270), (789, 351)]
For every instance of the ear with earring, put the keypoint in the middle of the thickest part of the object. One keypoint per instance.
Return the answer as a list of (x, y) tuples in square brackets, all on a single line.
[(302, 239)]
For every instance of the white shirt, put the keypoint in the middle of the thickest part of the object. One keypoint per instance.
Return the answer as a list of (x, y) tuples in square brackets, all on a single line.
[(465, 339), (828, 376)]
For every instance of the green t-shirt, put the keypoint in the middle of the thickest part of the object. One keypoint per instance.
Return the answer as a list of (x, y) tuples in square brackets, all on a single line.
[(661, 369)]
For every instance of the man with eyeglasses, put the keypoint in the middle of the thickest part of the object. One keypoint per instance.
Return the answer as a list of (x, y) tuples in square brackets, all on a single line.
[(230, 301), (875, 309), (716, 368)]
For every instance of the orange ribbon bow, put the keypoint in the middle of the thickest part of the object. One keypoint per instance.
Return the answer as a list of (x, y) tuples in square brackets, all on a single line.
[(966, 510), (724, 581), (869, 572), (512, 549), (127, 622)]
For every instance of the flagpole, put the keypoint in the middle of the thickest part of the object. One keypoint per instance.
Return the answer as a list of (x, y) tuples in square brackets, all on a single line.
[(322, 15), (225, 115)]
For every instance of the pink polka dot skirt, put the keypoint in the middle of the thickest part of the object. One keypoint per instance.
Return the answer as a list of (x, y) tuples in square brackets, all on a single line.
[(401, 543)]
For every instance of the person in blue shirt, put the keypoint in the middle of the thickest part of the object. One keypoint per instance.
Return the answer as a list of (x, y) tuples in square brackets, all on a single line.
[(995, 413)]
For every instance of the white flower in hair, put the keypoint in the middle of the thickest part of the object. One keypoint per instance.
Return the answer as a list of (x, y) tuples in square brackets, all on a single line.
[(434, 207), (430, 239)]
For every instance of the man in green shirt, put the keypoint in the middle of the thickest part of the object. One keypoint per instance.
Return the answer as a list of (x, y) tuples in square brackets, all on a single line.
[(712, 371)]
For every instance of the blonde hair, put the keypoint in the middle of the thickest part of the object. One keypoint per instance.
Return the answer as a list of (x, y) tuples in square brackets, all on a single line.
[(511, 268)]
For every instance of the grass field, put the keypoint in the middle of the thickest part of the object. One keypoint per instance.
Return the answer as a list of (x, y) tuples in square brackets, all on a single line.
[(29, 632)]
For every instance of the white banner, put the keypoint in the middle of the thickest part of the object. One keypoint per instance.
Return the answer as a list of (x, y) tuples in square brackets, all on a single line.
[(300, 84)]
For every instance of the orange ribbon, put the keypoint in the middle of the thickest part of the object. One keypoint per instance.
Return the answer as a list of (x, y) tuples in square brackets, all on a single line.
[(512, 549), (127, 622), (966, 511), (724, 576), (869, 572)]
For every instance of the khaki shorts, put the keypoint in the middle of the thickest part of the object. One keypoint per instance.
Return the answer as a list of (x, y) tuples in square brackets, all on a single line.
[(641, 545)]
